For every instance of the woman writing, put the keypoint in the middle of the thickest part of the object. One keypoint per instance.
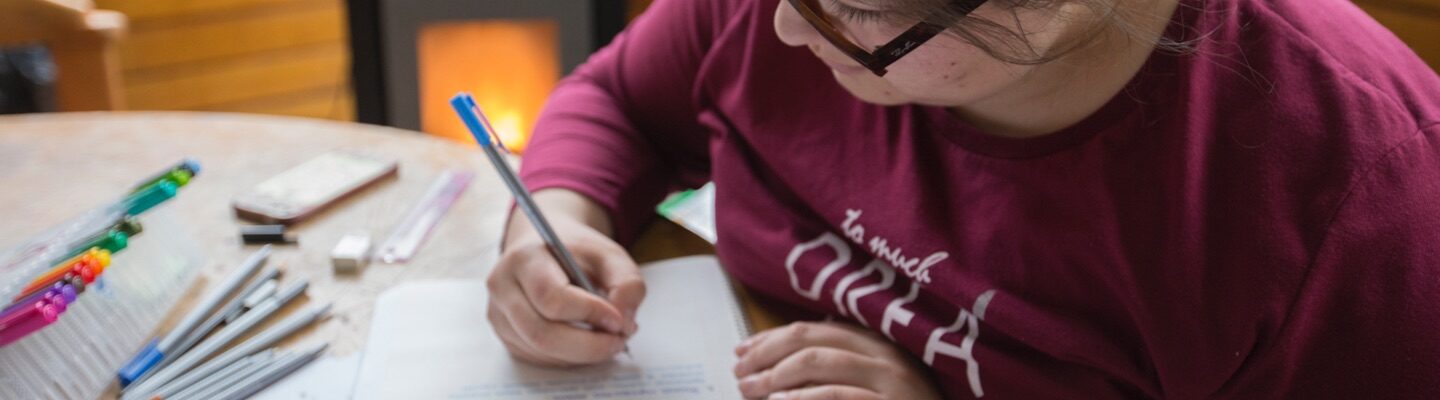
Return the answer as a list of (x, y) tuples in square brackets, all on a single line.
[(1010, 198)]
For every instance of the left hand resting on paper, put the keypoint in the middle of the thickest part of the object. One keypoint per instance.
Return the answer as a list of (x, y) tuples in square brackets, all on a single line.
[(828, 360)]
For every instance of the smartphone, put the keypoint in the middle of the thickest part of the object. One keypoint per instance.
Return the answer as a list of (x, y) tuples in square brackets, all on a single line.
[(300, 192)]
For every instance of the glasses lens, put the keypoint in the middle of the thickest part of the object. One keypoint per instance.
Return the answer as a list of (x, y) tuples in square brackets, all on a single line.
[(811, 11)]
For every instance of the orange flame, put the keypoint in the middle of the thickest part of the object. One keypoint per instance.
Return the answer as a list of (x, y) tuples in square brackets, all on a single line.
[(511, 66)]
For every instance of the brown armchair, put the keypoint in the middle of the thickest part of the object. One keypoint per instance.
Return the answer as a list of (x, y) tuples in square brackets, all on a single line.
[(82, 41)]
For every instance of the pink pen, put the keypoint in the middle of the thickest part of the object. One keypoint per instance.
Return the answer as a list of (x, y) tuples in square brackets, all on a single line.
[(60, 298), (43, 297), (28, 321)]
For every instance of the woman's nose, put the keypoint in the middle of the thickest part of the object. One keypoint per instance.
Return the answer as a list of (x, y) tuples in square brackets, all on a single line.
[(792, 29)]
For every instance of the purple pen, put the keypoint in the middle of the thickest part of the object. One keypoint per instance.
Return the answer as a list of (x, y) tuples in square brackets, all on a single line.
[(61, 290)]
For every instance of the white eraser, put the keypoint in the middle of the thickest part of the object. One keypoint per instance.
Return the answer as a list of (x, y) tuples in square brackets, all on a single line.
[(350, 253)]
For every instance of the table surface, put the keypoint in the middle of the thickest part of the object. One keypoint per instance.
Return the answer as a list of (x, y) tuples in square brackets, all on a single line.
[(53, 165)]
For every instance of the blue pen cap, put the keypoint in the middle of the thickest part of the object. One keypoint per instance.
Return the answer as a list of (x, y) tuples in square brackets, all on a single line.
[(191, 165), (464, 103), (136, 368)]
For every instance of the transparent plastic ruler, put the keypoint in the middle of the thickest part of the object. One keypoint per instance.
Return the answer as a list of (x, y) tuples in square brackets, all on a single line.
[(407, 237)]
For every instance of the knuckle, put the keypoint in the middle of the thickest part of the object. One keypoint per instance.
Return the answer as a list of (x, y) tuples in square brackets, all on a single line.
[(513, 257), (802, 332), (495, 282), (788, 342), (638, 286), (812, 357), (633, 279), (551, 304)]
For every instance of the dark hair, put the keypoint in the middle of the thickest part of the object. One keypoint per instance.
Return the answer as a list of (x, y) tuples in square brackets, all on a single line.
[(1011, 45)]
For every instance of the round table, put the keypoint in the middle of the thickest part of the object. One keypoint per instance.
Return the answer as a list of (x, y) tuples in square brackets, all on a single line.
[(54, 166)]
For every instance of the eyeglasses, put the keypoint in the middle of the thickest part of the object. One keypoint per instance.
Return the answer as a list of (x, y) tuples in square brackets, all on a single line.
[(885, 55)]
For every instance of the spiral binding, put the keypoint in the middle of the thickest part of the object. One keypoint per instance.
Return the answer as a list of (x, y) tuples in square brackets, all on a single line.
[(737, 311)]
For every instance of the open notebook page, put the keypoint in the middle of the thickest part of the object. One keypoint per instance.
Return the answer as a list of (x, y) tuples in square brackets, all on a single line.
[(431, 340)]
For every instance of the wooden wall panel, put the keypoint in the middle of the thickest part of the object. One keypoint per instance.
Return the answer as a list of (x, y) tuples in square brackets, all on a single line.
[(1417, 22), (251, 36), (633, 8), (284, 57), (156, 9), (261, 75)]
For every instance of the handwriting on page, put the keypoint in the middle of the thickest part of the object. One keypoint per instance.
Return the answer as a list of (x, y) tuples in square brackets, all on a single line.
[(665, 381)]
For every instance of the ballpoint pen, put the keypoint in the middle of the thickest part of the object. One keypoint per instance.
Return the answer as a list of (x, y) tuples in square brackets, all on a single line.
[(474, 119), (222, 338), (255, 343), (156, 351), (30, 318), (180, 174)]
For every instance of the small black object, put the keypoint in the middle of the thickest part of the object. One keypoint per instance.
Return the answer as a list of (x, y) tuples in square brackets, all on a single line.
[(27, 80), (130, 226), (262, 234)]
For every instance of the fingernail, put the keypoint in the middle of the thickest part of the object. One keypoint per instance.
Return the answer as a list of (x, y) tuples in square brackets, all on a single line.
[(749, 382), (633, 327), (742, 348), (739, 368), (777, 396), (611, 325)]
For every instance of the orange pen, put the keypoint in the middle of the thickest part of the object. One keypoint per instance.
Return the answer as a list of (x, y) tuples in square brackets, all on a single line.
[(87, 265), (65, 265)]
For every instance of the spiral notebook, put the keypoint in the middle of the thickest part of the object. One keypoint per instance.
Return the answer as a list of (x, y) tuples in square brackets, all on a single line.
[(431, 340)]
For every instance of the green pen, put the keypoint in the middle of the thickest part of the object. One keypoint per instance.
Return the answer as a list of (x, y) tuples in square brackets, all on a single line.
[(113, 240), (180, 175), (146, 199)]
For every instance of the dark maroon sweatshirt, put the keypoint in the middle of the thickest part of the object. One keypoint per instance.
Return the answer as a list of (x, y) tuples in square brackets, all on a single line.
[(1258, 218)]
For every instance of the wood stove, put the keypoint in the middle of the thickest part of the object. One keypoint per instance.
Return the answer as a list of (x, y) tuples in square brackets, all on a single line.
[(409, 56)]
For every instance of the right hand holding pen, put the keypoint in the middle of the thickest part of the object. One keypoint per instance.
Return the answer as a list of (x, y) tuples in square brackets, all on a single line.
[(535, 309)]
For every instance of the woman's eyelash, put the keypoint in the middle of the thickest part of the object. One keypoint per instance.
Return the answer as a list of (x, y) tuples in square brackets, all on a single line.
[(855, 14)]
